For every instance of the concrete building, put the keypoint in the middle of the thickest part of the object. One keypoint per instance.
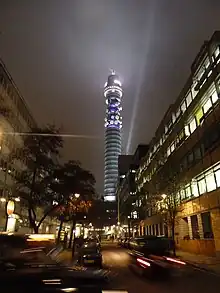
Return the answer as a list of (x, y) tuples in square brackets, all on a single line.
[(113, 124), (184, 159), (15, 118), (130, 202)]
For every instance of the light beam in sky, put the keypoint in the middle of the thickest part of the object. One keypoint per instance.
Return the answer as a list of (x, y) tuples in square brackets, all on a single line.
[(149, 35)]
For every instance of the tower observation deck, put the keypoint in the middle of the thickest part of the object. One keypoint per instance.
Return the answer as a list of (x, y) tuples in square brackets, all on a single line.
[(113, 124)]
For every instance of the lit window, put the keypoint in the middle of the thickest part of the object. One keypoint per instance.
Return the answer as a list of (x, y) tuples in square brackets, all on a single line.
[(216, 53), (195, 189), (199, 115), (214, 97), (187, 133), (210, 181), (192, 125), (173, 117), (188, 191), (135, 215), (207, 63), (172, 147), (217, 176), (188, 99), (194, 92), (168, 151), (178, 112), (207, 106), (182, 194), (202, 186), (183, 106)]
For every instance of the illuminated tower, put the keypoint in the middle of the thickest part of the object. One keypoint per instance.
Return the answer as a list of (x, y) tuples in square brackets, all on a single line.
[(113, 125)]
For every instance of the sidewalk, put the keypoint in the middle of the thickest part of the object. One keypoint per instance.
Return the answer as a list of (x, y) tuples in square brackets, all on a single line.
[(203, 262)]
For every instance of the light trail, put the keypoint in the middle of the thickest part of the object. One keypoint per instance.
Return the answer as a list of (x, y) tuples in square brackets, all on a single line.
[(64, 135), (142, 75)]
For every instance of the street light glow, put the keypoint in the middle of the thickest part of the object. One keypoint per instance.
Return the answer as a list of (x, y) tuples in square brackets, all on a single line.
[(77, 195), (163, 196)]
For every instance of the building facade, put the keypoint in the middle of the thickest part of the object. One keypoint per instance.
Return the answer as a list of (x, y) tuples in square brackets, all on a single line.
[(113, 124), (184, 156), (130, 202), (15, 119)]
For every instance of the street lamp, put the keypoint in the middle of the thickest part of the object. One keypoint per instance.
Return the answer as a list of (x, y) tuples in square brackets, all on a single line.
[(77, 195)]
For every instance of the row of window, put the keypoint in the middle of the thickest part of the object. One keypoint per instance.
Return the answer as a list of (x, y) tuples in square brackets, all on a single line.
[(12, 93), (197, 119), (206, 182), (206, 232), (204, 110), (205, 68)]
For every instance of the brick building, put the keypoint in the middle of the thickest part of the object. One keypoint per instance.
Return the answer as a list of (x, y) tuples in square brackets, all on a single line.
[(186, 147)]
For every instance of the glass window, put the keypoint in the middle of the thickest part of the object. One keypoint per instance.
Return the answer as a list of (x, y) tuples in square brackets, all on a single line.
[(172, 147), (207, 63), (214, 97), (207, 225), (173, 117), (194, 92), (217, 176), (195, 189), (197, 153), (183, 106), (188, 191), (192, 125), (190, 158), (202, 186), (187, 132), (178, 112), (207, 106), (188, 99), (195, 227), (199, 115), (216, 53), (182, 194), (168, 151), (157, 229), (210, 181)]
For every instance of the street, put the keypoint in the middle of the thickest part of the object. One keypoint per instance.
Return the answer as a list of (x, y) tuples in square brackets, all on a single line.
[(190, 280)]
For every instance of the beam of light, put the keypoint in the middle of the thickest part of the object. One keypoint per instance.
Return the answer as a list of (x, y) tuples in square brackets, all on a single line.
[(142, 74), (64, 135)]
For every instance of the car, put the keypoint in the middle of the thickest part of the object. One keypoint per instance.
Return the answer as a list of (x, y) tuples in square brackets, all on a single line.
[(150, 245), (31, 269), (90, 255)]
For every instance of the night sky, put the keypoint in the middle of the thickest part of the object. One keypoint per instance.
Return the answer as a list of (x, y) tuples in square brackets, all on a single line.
[(59, 53)]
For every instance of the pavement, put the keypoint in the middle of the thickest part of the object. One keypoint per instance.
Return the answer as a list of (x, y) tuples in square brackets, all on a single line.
[(203, 262), (191, 279)]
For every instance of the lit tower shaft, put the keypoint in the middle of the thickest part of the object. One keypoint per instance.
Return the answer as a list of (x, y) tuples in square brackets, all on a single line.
[(113, 124)]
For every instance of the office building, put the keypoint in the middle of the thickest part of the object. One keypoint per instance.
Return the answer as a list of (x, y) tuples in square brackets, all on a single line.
[(130, 202), (184, 159)]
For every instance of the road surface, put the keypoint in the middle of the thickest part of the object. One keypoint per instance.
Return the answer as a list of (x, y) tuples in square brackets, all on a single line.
[(189, 280)]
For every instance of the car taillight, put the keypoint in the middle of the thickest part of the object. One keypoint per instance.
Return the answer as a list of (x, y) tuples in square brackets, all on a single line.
[(143, 262), (177, 261)]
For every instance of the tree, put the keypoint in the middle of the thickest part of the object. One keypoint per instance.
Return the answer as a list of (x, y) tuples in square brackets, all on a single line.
[(75, 187), (39, 154), (167, 204)]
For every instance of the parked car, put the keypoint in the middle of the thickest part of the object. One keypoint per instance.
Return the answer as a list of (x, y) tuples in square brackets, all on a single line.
[(150, 245), (90, 255)]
